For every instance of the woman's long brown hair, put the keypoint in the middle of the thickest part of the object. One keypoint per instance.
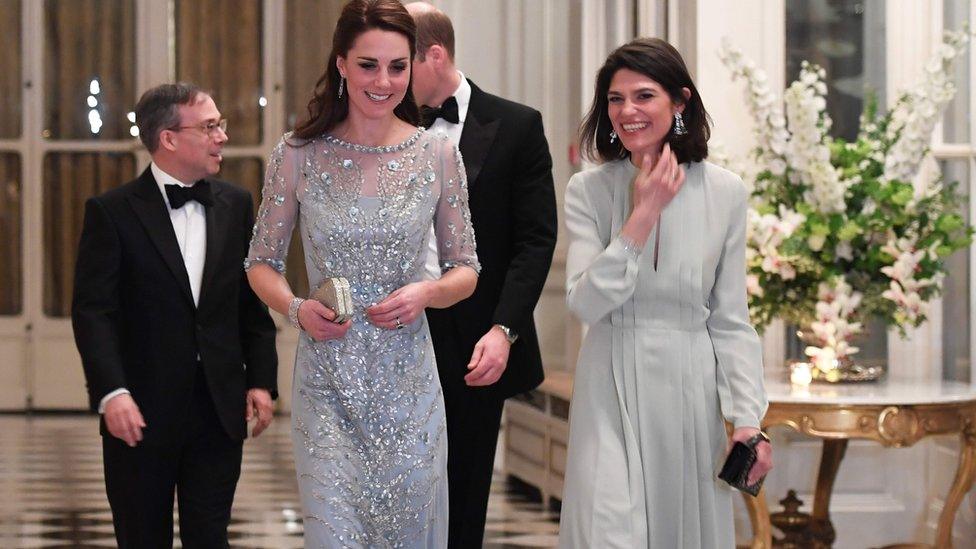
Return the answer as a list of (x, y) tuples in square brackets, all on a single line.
[(327, 109)]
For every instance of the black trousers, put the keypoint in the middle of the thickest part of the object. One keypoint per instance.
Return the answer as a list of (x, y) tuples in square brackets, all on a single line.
[(473, 419), (201, 467)]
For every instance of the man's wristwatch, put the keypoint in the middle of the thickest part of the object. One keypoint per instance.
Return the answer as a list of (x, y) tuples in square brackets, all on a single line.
[(510, 334)]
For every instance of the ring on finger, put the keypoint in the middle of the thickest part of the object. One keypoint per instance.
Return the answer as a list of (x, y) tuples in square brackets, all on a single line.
[(399, 325)]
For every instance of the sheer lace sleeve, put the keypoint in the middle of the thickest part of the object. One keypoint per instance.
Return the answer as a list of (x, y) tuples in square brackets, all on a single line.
[(279, 209), (452, 218)]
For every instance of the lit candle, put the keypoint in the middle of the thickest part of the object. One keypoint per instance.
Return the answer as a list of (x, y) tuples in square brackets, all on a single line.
[(800, 374)]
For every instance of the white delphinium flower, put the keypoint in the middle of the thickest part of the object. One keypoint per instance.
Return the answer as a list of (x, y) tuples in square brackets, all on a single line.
[(927, 182), (770, 129), (916, 113), (807, 151), (869, 207)]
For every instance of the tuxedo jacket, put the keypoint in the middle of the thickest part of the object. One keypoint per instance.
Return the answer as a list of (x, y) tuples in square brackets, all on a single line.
[(135, 323), (513, 210)]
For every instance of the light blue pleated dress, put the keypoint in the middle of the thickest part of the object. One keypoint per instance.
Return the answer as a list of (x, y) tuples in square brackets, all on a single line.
[(668, 356)]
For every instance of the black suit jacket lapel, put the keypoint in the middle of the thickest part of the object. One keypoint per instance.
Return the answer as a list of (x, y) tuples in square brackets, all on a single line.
[(150, 208), (217, 219), (477, 136)]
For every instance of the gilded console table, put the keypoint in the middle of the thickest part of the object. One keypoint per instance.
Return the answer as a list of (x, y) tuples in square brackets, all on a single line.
[(892, 413)]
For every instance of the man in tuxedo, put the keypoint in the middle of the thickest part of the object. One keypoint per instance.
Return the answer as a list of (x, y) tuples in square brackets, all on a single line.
[(178, 351), (486, 346)]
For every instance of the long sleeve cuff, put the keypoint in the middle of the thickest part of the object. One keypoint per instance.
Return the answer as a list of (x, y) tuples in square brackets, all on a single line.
[(748, 421), (110, 396)]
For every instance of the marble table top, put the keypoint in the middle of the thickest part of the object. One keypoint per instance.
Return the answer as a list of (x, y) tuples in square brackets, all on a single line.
[(885, 392)]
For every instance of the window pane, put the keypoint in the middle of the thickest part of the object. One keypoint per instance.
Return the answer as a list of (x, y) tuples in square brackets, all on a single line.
[(12, 106), (955, 299), (11, 258), (89, 76), (249, 173), (69, 180), (246, 172), (218, 47), (847, 39), (956, 128), (309, 30)]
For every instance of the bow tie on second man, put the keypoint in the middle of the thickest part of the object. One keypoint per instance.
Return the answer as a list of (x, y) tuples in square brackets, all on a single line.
[(448, 111), (179, 195)]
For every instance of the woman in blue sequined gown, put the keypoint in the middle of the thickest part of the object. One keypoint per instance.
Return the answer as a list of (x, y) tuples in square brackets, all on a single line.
[(365, 186)]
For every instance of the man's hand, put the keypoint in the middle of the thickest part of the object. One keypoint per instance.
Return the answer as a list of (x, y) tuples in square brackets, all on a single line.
[(259, 406), (489, 359), (764, 453), (124, 420)]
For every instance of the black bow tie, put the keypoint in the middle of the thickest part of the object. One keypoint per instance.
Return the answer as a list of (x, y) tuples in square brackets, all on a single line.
[(179, 195), (448, 111)]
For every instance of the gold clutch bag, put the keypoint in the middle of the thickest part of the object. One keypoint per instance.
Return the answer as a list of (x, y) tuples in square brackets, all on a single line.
[(335, 294)]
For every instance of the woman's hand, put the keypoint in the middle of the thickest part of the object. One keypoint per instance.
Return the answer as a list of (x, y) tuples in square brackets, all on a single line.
[(316, 319), (764, 453), (401, 307), (657, 183)]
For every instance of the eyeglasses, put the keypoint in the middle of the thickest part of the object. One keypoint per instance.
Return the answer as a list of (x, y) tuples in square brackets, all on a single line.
[(210, 128)]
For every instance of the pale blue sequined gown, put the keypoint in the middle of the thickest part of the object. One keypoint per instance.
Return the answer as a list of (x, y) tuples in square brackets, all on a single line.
[(368, 422)]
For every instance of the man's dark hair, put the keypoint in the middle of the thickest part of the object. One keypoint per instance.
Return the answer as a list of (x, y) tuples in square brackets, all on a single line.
[(158, 110)]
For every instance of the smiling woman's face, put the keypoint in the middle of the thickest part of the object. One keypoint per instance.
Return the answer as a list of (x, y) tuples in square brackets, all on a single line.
[(641, 111), (377, 71)]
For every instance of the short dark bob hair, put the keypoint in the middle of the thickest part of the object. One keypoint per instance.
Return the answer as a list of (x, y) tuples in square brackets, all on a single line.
[(327, 109), (660, 62)]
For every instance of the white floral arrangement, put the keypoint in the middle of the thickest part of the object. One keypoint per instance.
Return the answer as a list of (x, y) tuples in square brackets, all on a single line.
[(839, 231)]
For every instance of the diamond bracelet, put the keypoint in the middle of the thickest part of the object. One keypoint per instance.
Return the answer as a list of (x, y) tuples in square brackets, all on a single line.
[(293, 312)]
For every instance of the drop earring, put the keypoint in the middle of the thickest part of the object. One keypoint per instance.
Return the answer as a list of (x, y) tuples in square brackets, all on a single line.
[(679, 125), (342, 80), (613, 136)]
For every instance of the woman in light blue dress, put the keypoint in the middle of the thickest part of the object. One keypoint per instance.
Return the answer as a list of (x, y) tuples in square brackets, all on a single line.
[(365, 186), (656, 268)]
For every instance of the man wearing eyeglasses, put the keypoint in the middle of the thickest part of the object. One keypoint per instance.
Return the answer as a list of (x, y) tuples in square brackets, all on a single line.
[(178, 351)]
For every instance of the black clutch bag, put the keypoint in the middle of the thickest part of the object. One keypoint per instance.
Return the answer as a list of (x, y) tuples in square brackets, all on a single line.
[(737, 467)]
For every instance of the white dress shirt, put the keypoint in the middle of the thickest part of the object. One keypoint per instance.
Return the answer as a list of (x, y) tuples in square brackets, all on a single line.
[(190, 226), (432, 269)]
